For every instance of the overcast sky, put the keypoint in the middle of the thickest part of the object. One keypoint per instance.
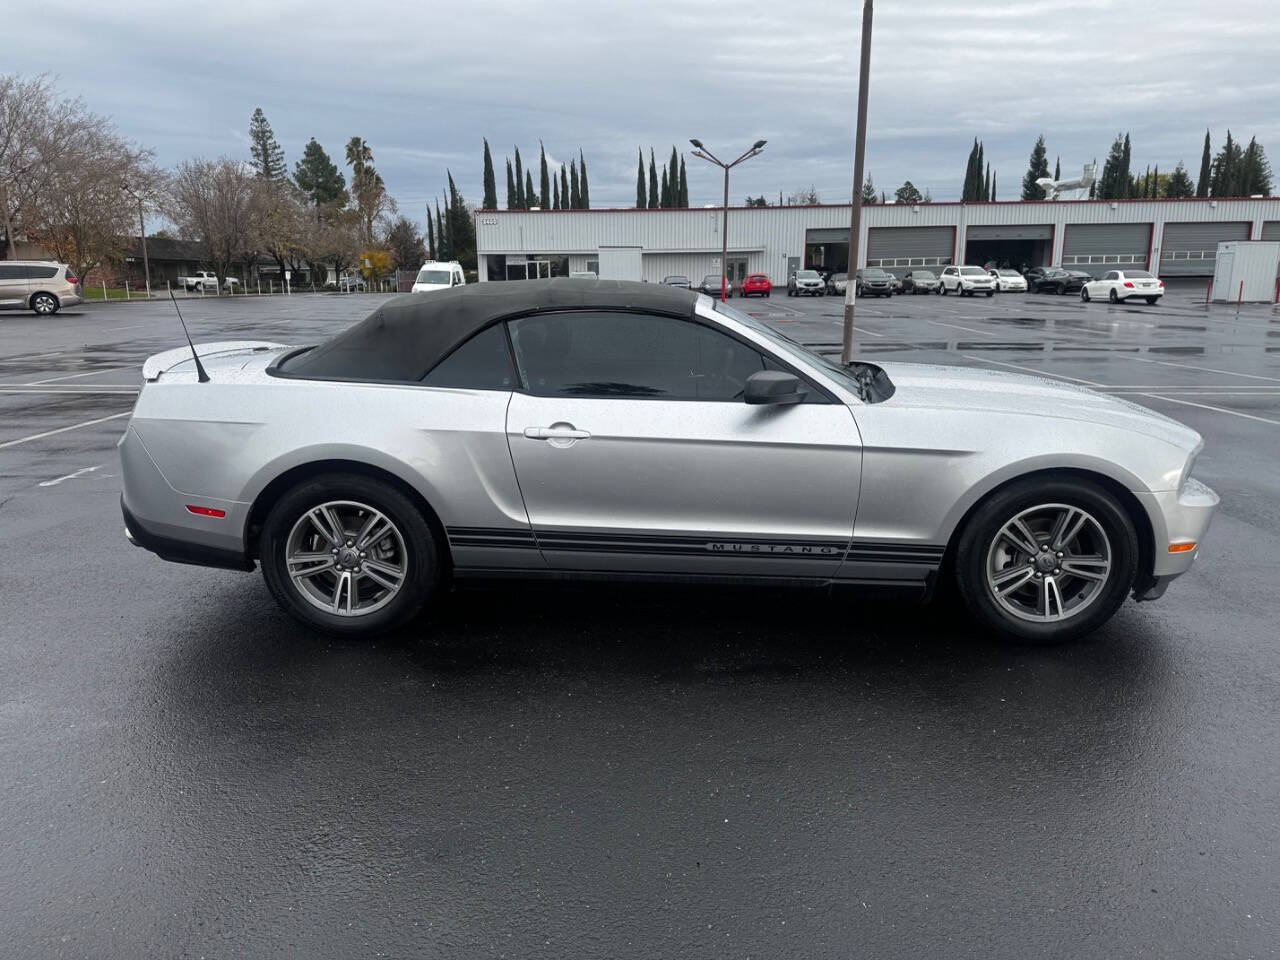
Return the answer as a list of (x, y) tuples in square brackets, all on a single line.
[(424, 82)]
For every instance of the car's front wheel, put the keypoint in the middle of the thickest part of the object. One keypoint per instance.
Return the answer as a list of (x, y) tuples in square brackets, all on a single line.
[(1047, 561), (348, 554), (1112, 296), (1084, 294)]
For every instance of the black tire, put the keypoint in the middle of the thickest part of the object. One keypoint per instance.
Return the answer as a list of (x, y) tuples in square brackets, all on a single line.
[(983, 526), (990, 292), (1112, 296), (1084, 294), (423, 553), (942, 289), (45, 304), (1152, 300)]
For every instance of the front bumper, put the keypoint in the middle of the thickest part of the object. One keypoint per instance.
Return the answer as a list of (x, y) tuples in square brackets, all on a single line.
[(1176, 517)]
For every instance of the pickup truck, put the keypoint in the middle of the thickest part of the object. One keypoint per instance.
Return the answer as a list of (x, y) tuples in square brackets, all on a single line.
[(207, 280)]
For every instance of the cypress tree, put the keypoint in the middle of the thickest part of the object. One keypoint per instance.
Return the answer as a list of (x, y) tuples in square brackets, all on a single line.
[(522, 201), (665, 195), (442, 237), (986, 184), (431, 237), (1057, 168), (970, 189), (1126, 177), (1155, 182), (1206, 169), (1037, 168), (584, 189), (530, 198), (490, 184), (653, 182), (979, 163), (1110, 183), (673, 177), (555, 194), (1225, 181), (564, 189), (993, 188), (684, 187), (544, 179), (575, 190), (642, 199), (512, 202), (1255, 170)]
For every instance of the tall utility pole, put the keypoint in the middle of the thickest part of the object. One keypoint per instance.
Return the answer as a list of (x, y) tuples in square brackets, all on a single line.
[(859, 152), (142, 228), (710, 157)]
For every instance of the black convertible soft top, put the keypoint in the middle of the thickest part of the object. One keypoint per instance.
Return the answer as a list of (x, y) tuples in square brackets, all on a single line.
[(407, 336)]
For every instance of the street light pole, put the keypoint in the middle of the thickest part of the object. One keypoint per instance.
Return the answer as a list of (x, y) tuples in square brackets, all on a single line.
[(142, 230), (710, 157), (855, 217)]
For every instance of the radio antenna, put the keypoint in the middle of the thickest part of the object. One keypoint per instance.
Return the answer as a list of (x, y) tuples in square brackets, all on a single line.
[(201, 375)]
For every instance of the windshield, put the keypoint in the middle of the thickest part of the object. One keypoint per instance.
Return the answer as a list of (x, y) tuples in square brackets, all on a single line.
[(875, 273), (807, 275), (711, 278), (790, 347), (922, 275), (434, 276), (675, 279), (840, 276), (972, 272)]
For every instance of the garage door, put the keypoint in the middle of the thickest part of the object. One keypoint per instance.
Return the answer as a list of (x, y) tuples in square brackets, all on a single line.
[(908, 247), (1191, 249), (1089, 244), (1030, 231), (1271, 230)]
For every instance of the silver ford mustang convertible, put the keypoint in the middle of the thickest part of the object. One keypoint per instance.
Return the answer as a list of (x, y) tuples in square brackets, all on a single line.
[(550, 428)]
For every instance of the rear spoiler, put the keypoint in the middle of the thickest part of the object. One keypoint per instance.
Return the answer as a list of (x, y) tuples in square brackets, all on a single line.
[(179, 356)]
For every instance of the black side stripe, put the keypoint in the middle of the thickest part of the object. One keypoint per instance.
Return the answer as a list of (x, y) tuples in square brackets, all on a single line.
[(865, 551)]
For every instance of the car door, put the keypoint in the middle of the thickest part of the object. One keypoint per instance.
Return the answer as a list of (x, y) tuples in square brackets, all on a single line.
[(636, 453), (13, 285), (949, 278), (1110, 282)]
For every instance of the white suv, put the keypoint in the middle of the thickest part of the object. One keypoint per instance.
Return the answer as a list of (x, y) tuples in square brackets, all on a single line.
[(964, 280), (39, 285), (439, 276)]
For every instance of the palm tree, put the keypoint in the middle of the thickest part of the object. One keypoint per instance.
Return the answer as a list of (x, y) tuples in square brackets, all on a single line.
[(358, 154)]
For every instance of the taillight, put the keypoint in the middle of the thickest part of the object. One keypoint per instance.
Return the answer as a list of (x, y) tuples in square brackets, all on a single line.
[(1162, 283), (71, 279), (213, 512), (1129, 284)]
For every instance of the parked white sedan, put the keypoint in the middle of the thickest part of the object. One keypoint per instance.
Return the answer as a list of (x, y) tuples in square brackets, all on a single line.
[(1008, 281), (1121, 285)]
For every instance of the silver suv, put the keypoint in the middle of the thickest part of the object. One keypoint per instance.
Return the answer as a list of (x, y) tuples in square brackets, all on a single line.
[(40, 285)]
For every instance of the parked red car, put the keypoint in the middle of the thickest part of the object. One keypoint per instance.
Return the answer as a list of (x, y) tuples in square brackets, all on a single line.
[(756, 284)]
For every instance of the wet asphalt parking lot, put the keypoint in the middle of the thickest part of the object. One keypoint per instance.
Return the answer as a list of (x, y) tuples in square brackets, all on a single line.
[(635, 772)]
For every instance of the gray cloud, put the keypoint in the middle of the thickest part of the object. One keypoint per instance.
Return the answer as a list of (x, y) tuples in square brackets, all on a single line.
[(424, 83)]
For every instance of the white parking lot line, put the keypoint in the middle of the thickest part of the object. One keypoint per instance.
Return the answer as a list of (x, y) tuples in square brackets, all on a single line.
[(956, 326), (73, 376), (1036, 370), (74, 426), (70, 476), (1192, 366), (1207, 406)]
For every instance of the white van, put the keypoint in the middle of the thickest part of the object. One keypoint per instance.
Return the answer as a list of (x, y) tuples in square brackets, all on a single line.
[(438, 276)]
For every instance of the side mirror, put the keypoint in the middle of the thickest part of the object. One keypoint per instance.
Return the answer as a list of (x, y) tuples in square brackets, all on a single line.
[(773, 387)]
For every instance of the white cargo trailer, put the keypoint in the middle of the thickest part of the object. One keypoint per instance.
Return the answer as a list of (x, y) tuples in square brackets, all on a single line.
[(1247, 270)]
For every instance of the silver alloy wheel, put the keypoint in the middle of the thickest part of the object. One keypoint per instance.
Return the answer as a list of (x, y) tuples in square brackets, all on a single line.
[(346, 558), (44, 304), (1049, 563)]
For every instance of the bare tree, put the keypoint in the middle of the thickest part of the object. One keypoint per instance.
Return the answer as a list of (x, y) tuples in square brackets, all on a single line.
[(218, 202), (805, 196)]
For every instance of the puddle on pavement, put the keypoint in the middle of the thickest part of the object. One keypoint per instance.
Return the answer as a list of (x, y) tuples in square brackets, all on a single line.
[(1029, 346), (1194, 351)]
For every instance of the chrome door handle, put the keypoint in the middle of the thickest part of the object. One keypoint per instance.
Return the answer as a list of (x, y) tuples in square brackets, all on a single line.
[(557, 431)]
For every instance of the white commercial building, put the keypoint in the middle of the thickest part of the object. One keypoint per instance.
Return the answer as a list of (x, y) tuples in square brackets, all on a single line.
[(1174, 238)]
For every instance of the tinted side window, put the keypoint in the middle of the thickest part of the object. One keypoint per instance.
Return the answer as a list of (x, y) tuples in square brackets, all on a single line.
[(606, 355), (11, 271), (41, 273), (724, 364), (482, 363)]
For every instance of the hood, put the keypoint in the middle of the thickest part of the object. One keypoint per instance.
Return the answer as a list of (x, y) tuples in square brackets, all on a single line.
[(973, 388), (225, 356)]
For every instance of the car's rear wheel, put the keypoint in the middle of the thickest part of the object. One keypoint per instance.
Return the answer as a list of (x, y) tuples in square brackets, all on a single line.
[(1152, 300), (1047, 561), (347, 554), (45, 304)]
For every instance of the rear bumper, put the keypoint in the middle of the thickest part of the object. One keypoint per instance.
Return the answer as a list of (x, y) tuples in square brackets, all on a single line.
[(180, 551)]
